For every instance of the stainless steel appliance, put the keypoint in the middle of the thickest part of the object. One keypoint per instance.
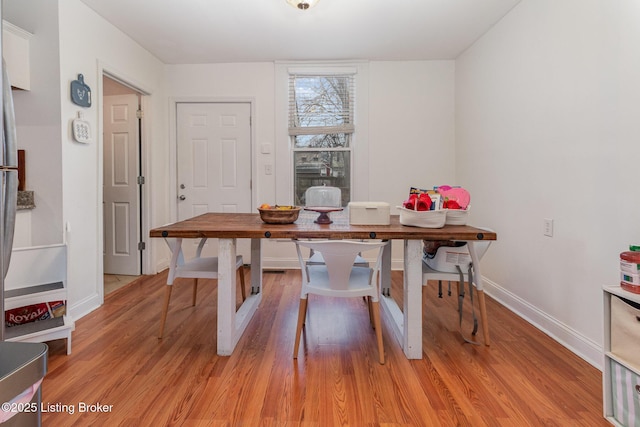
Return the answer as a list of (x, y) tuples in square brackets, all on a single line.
[(22, 365), (8, 185), (22, 368)]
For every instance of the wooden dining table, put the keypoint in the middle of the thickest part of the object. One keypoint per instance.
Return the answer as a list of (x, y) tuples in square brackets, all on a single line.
[(405, 322)]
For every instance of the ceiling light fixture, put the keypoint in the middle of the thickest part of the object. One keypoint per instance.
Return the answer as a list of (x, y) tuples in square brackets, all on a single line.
[(303, 4)]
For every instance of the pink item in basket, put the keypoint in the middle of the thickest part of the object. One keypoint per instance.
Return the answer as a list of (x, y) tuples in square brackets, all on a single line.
[(458, 194)]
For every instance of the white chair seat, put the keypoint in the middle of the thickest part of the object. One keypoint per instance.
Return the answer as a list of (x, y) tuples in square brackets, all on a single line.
[(198, 267), (204, 268)]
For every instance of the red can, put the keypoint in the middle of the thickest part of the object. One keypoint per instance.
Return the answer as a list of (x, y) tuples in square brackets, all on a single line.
[(633, 258)]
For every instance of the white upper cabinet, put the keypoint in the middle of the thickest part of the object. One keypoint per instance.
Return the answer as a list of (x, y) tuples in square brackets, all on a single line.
[(15, 50)]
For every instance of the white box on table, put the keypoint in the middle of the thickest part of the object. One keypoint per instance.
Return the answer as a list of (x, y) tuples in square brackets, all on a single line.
[(369, 213)]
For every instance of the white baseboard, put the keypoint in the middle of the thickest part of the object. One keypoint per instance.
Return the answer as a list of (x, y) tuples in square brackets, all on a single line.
[(84, 307), (582, 346)]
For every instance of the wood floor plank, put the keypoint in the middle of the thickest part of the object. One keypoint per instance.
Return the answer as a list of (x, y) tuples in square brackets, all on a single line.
[(524, 378)]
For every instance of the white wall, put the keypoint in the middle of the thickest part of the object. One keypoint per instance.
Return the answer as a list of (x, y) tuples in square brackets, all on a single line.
[(89, 45), (547, 127), (411, 127)]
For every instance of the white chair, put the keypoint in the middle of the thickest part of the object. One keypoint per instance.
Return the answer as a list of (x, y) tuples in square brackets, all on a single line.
[(196, 268), (338, 277), (447, 263), (331, 197)]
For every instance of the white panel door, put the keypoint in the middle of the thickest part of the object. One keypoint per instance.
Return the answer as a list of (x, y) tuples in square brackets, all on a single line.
[(214, 159), (121, 196)]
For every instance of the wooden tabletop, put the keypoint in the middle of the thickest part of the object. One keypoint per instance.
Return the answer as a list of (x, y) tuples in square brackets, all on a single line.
[(248, 225)]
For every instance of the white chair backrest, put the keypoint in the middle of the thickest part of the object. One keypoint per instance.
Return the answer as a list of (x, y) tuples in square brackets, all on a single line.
[(323, 196), (339, 256), (180, 261)]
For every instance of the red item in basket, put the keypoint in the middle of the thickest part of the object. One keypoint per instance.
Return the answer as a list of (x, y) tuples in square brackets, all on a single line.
[(410, 203), (418, 202)]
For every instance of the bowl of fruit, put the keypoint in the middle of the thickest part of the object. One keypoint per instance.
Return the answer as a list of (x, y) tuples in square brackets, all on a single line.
[(278, 214)]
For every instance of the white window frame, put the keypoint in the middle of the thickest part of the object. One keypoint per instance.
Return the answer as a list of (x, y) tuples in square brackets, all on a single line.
[(283, 144)]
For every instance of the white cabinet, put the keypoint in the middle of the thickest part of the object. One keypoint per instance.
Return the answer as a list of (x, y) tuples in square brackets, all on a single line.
[(38, 275), (621, 374), (15, 50)]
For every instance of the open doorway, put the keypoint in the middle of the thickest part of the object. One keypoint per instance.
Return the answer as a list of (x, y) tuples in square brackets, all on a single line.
[(122, 184)]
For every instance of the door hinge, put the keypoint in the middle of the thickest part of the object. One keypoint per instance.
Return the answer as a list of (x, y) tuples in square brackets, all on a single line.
[(140, 180), (142, 246), (139, 114)]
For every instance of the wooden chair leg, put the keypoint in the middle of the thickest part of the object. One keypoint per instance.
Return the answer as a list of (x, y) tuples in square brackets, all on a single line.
[(302, 313), (165, 310), (370, 308), (375, 305), (242, 285), (195, 292), (483, 317)]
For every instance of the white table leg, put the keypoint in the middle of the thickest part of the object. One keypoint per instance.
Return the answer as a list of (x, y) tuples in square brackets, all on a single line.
[(412, 299), (385, 271), (256, 266), (226, 296), (175, 245), (232, 323), (406, 325), (477, 278)]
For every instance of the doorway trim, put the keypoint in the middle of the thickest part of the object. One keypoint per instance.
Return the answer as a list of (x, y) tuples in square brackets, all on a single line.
[(173, 144), (105, 70)]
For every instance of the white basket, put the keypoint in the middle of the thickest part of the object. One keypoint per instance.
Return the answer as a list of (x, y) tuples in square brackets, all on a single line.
[(457, 216), (424, 219)]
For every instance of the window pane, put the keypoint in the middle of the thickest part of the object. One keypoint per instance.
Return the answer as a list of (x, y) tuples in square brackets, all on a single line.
[(322, 101), (331, 168), (322, 141)]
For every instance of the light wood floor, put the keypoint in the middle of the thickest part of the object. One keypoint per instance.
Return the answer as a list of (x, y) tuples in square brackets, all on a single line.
[(523, 379), (113, 282)]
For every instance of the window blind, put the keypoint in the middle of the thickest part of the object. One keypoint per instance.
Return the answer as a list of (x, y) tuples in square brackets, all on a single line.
[(321, 104)]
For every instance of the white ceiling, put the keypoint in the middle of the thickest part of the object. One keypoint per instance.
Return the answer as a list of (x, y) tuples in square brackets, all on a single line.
[(208, 31)]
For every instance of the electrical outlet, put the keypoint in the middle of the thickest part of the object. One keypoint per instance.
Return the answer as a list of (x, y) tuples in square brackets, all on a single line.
[(548, 227), (268, 169)]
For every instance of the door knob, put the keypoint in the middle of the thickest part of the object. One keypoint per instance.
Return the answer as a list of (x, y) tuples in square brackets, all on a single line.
[(182, 197)]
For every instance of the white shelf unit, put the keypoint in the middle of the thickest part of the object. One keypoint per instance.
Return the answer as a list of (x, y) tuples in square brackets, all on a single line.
[(37, 275), (632, 367)]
